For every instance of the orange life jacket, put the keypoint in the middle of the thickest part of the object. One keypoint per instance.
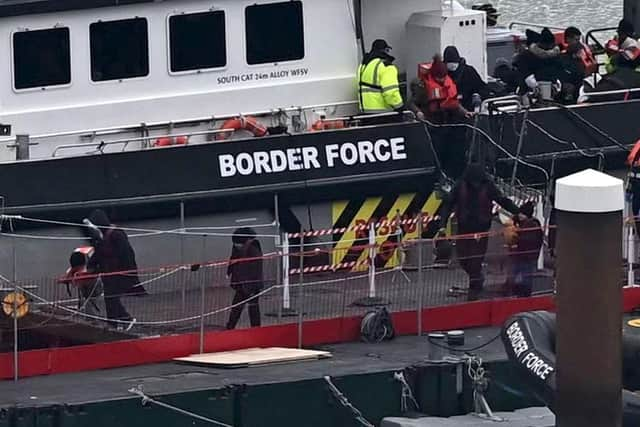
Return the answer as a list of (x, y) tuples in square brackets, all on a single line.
[(633, 159), (441, 96), (588, 60)]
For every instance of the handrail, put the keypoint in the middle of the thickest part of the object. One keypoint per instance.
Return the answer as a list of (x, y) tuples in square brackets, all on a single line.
[(612, 92), (535, 25), (195, 120), (126, 141), (500, 99), (597, 30)]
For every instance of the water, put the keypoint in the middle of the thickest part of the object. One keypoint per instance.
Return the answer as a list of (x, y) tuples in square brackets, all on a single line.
[(584, 14)]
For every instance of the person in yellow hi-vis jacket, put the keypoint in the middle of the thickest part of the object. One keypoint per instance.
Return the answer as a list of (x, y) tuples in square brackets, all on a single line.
[(378, 86)]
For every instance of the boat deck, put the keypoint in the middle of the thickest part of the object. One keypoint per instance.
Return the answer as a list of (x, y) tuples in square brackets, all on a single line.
[(171, 378)]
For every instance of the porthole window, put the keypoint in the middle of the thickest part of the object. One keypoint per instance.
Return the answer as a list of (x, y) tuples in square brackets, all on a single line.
[(119, 49), (41, 58), (197, 41), (274, 32)]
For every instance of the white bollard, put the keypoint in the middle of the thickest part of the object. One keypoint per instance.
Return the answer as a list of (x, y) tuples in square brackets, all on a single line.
[(372, 261)]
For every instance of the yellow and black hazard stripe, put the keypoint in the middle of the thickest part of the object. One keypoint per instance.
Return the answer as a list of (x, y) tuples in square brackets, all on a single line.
[(348, 246)]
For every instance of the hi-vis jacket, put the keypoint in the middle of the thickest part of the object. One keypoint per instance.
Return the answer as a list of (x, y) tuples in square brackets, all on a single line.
[(379, 90)]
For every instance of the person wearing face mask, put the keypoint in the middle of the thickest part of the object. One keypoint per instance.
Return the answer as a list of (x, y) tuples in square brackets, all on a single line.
[(466, 78), (246, 276), (472, 201)]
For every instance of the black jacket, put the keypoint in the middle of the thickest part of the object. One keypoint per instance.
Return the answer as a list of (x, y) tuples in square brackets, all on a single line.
[(468, 82), (245, 266), (114, 254), (473, 205)]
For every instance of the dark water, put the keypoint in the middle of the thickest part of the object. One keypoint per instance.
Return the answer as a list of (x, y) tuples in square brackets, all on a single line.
[(584, 14)]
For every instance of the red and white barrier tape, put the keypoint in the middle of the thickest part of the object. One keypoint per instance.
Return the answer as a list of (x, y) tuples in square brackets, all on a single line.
[(360, 227), (330, 267)]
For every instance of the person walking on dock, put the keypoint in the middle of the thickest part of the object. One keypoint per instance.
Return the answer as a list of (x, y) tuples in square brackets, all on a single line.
[(115, 259), (245, 273), (472, 200)]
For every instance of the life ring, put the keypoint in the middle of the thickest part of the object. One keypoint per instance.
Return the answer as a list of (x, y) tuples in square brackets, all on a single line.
[(328, 124), (530, 340), (167, 141), (247, 123)]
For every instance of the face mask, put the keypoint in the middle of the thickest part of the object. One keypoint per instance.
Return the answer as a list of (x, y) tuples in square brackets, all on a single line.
[(452, 66)]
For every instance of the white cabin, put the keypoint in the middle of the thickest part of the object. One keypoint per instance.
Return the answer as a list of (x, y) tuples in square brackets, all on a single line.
[(68, 73)]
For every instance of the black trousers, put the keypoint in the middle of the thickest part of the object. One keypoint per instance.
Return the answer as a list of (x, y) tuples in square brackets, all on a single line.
[(113, 290), (471, 252), (115, 309), (451, 148), (239, 301)]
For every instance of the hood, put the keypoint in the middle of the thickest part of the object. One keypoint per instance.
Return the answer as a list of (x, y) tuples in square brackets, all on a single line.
[(99, 218), (451, 54), (242, 235)]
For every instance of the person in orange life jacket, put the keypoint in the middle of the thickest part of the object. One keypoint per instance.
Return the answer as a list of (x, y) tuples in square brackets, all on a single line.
[(435, 98), (116, 260), (472, 200), (524, 257), (578, 63), (623, 49), (85, 283), (471, 88), (246, 276)]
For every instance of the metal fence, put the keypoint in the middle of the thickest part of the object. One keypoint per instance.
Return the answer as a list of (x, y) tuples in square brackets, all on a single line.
[(302, 280)]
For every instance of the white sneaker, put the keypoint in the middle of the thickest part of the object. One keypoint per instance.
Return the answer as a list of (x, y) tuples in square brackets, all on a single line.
[(130, 325)]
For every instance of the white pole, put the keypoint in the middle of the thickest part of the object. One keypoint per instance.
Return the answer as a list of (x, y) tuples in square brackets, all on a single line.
[(540, 216), (286, 298), (631, 255), (372, 261)]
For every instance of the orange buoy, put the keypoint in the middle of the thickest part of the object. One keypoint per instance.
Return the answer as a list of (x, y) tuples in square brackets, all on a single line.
[(166, 141), (247, 123), (328, 124)]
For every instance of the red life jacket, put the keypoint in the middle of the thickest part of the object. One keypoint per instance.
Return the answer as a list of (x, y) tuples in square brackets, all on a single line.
[(441, 96), (588, 60), (633, 159)]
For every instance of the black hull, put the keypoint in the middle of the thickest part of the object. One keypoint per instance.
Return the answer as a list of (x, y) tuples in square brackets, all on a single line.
[(152, 183)]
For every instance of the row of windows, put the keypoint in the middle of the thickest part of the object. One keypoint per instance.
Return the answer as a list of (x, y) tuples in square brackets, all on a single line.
[(120, 49)]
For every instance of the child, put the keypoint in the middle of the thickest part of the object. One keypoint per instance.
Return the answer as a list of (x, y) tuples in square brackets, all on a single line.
[(86, 283), (526, 251)]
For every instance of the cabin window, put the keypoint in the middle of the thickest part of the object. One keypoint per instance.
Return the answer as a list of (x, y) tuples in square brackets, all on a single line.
[(119, 49), (197, 41), (274, 32), (41, 58)]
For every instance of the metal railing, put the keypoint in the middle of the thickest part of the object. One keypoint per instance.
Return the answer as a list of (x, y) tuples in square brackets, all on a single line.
[(99, 147), (89, 133), (534, 25)]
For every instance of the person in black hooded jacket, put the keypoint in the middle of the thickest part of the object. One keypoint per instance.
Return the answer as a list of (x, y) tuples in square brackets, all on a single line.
[(116, 260), (472, 200), (246, 276), (467, 79)]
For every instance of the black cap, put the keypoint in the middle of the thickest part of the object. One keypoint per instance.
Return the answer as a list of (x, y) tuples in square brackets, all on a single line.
[(547, 38), (451, 54), (380, 44), (625, 27)]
